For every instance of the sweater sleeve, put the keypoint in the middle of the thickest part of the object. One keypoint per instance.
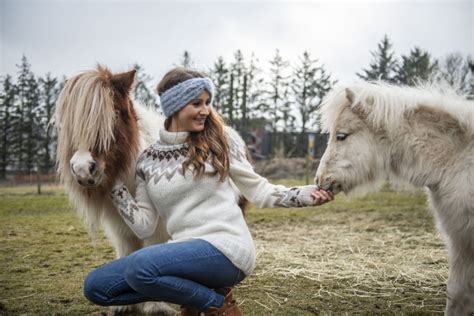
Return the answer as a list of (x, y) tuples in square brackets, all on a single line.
[(139, 213), (256, 188)]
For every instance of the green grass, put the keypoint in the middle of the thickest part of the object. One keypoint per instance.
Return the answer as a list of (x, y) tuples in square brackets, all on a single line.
[(370, 255)]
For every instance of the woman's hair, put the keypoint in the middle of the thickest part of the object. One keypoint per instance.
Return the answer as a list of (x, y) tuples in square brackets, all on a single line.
[(211, 143)]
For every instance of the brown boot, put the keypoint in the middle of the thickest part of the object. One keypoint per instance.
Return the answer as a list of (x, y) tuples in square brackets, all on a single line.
[(229, 308), (189, 311)]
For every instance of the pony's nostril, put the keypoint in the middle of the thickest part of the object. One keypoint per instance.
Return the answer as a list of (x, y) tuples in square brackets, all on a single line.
[(80, 182), (92, 167), (90, 182)]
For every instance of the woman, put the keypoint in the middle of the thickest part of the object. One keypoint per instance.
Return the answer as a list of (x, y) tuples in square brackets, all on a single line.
[(188, 179)]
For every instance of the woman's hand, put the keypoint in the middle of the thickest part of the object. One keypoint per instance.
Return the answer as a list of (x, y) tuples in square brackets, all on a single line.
[(321, 196), (311, 195)]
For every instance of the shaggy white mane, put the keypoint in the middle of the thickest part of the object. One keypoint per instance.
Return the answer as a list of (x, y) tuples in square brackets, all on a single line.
[(386, 104)]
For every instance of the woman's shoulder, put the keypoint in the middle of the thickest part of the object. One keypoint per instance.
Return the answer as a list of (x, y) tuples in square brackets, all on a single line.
[(237, 145), (233, 135)]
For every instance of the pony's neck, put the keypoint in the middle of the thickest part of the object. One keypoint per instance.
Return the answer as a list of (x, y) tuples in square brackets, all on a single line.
[(425, 146), (409, 166), (419, 160)]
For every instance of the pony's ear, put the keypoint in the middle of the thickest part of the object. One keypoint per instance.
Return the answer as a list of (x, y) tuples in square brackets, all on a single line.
[(359, 109), (123, 82), (350, 95)]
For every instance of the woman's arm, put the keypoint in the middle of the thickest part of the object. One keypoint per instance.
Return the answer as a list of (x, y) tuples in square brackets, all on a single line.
[(259, 190), (139, 213)]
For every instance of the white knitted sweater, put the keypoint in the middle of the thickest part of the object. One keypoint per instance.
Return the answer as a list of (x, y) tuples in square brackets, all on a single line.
[(204, 208)]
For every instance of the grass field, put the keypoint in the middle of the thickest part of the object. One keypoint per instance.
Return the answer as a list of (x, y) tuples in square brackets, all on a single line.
[(379, 254)]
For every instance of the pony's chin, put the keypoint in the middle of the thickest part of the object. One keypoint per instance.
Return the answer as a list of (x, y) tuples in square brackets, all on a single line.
[(334, 187), (337, 188), (87, 184)]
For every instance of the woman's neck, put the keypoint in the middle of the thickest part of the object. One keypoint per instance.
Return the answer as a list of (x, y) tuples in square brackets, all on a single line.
[(175, 128)]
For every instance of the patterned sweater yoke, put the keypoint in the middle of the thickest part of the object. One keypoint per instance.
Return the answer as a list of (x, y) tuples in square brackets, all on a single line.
[(203, 208)]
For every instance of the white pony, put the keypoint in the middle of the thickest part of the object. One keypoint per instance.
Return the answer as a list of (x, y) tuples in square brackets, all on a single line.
[(423, 136), (100, 134)]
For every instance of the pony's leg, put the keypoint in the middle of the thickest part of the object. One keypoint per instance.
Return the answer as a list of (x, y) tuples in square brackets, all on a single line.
[(460, 288), (454, 217)]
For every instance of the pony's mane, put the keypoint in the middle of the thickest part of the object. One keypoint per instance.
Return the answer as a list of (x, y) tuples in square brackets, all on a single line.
[(387, 104), (85, 111)]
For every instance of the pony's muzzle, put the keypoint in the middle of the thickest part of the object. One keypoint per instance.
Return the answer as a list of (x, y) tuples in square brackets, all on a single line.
[(85, 169), (327, 183)]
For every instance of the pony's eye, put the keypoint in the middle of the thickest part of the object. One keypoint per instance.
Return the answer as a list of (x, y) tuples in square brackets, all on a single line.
[(341, 136)]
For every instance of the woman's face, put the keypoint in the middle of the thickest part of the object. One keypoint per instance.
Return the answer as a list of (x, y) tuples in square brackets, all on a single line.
[(192, 117)]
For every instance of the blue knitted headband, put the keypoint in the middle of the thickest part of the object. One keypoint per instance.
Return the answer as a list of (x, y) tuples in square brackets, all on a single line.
[(176, 98)]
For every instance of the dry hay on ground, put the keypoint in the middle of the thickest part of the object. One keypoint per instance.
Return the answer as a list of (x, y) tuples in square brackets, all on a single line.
[(361, 266)]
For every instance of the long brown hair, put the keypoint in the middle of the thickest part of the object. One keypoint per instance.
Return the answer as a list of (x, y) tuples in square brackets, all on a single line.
[(211, 143)]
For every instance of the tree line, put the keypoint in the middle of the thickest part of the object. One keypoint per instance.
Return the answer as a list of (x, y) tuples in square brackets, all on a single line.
[(281, 97)]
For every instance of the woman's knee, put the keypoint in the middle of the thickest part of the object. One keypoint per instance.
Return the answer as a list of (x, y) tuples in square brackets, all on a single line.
[(93, 291), (140, 271)]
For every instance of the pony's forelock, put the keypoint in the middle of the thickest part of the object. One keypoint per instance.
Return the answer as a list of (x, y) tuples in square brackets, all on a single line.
[(85, 108)]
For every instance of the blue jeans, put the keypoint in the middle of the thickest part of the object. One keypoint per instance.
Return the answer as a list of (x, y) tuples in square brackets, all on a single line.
[(181, 273)]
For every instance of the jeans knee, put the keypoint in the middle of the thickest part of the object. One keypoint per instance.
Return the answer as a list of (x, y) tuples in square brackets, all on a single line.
[(137, 273), (92, 290)]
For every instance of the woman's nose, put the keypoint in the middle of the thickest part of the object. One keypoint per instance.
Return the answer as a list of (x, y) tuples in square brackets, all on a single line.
[(204, 110)]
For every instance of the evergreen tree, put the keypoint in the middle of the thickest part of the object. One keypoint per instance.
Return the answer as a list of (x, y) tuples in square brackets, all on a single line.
[(277, 106), (310, 84), (383, 65), (186, 60), (7, 101), (25, 119), (234, 105), (220, 77), (277, 86), (254, 96), (286, 109), (288, 144), (33, 132), (229, 105), (238, 71), (454, 70), (141, 92), (415, 67), (49, 88)]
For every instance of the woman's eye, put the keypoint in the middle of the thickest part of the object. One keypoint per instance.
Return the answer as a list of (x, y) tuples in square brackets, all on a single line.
[(341, 136)]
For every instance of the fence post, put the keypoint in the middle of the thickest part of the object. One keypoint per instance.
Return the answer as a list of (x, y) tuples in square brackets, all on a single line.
[(310, 153), (38, 179)]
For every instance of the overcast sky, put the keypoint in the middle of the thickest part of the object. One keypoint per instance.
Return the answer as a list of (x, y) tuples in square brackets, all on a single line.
[(64, 37)]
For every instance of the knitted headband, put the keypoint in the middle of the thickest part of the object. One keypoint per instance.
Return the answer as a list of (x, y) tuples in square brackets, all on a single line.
[(176, 98)]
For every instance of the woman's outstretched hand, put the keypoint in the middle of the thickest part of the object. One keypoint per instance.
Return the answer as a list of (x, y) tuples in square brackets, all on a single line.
[(321, 196), (311, 195)]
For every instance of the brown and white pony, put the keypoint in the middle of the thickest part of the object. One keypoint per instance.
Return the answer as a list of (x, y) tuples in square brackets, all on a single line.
[(422, 136), (101, 131)]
